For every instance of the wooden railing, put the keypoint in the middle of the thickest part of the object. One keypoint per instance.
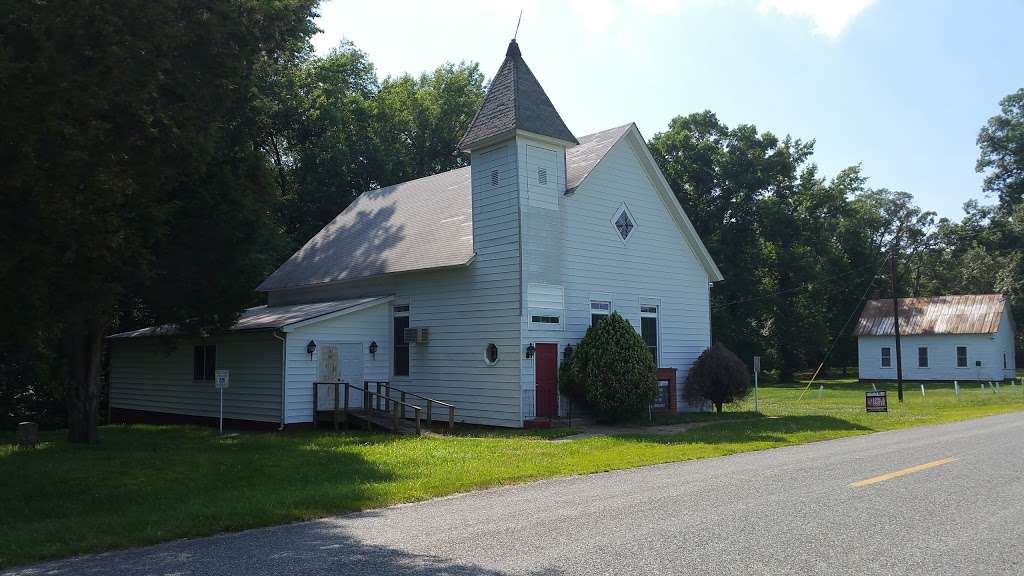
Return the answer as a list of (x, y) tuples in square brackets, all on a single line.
[(381, 400), (403, 394)]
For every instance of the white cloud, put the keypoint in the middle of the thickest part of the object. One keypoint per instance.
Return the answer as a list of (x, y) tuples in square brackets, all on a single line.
[(830, 17), (597, 15)]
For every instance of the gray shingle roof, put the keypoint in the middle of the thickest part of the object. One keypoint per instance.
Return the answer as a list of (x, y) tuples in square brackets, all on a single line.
[(962, 314), (265, 317), (515, 100), (417, 225), (580, 160)]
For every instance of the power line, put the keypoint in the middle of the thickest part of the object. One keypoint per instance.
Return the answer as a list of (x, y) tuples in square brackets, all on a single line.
[(839, 334), (790, 290)]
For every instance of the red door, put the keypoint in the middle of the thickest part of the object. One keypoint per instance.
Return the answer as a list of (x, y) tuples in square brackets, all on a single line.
[(546, 360)]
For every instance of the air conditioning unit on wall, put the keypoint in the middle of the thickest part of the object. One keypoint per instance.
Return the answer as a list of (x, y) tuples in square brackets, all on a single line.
[(417, 335)]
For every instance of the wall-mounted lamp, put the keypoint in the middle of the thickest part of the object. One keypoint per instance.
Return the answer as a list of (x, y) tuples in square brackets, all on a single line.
[(530, 349), (567, 352), (373, 348), (310, 348)]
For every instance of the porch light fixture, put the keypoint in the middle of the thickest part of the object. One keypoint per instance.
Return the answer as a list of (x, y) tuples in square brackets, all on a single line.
[(310, 348), (373, 348), (567, 352), (530, 349)]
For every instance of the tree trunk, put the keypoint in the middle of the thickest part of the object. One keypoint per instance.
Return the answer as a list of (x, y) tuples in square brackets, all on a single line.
[(82, 350), (718, 407)]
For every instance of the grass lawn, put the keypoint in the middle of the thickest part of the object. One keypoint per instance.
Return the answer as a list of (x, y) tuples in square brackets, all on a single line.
[(145, 484)]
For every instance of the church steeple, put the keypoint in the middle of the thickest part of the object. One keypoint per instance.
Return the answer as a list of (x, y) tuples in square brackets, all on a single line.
[(515, 101)]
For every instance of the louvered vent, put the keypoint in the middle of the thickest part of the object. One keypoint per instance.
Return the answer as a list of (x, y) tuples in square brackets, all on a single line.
[(494, 177), (542, 175)]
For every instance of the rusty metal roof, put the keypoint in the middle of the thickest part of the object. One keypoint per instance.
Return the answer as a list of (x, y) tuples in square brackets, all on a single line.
[(963, 314)]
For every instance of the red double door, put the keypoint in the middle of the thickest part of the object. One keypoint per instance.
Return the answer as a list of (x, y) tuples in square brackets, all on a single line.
[(546, 360)]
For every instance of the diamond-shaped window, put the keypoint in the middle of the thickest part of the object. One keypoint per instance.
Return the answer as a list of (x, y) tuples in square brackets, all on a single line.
[(624, 224)]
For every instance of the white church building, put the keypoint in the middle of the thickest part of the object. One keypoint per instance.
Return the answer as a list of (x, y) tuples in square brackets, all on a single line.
[(465, 286)]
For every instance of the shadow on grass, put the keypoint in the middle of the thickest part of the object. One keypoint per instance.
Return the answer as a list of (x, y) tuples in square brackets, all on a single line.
[(333, 546), (775, 430), (145, 484)]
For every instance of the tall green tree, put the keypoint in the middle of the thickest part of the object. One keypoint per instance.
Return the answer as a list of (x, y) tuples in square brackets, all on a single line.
[(338, 131), (133, 175), (1001, 142)]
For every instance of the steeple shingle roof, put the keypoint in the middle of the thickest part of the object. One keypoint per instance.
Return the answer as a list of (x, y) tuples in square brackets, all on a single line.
[(515, 101)]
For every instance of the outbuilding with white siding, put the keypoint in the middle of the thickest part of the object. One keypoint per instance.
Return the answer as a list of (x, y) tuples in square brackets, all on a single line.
[(495, 268), (946, 338)]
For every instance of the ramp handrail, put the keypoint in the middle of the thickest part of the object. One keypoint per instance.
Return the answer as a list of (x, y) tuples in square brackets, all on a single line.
[(367, 405), (388, 388)]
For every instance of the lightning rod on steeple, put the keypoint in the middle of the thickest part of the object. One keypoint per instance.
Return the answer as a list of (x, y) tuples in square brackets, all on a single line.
[(517, 25)]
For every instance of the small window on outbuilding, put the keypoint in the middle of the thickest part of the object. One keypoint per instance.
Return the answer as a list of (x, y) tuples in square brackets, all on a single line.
[(922, 357), (204, 362), (491, 354), (961, 356), (886, 357)]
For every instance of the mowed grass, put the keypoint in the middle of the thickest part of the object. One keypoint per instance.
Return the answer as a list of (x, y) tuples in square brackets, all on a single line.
[(146, 484)]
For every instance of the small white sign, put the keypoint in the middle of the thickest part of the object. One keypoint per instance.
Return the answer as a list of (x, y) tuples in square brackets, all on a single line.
[(221, 379)]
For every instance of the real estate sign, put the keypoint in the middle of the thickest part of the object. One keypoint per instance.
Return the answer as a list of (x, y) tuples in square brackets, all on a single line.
[(875, 401)]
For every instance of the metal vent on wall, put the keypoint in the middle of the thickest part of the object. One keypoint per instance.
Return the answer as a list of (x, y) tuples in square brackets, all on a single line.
[(494, 177), (542, 175)]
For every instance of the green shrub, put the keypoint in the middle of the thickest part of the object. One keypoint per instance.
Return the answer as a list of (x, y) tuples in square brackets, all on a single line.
[(718, 376), (612, 370)]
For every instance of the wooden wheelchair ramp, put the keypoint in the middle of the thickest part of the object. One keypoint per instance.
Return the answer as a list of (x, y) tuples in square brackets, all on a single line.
[(376, 403)]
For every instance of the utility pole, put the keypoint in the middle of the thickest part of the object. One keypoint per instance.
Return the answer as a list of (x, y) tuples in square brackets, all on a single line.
[(896, 321)]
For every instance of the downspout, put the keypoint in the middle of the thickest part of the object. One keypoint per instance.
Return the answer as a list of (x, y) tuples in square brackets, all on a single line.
[(283, 337)]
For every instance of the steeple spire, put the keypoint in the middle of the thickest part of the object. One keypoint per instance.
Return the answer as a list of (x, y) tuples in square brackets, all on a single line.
[(515, 101)]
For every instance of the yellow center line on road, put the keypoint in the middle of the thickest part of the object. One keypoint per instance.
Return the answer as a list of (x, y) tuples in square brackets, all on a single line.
[(904, 472)]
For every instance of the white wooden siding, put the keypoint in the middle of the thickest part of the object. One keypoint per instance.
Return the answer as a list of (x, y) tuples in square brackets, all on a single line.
[(464, 308), (656, 265), (941, 357), (358, 328), (1007, 341), (147, 374)]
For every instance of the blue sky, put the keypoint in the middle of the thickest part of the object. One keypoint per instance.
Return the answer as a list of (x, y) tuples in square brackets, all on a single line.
[(900, 86)]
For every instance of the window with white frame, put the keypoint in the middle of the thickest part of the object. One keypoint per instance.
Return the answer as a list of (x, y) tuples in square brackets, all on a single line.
[(624, 223), (649, 328), (204, 363), (401, 347), (922, 356), (599, 310), (961, 356), (886, 357), (546, 303)]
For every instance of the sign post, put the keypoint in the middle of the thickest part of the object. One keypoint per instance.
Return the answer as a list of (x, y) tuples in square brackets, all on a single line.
[(220, 382), (757, 372), (875, 401)]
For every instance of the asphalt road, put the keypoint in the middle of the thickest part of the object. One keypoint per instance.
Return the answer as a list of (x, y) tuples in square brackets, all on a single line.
[(785, 511)]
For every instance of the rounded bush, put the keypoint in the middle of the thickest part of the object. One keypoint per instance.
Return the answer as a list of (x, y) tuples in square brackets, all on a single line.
[(612, 370), (718, 376)]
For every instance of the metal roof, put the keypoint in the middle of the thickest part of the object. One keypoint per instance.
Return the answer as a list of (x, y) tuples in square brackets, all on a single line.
[(515, 100), (417, 225), (963, 314), (272, 317)]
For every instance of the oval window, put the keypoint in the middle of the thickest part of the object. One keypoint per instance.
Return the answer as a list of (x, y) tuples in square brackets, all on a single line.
[(491, 354)]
